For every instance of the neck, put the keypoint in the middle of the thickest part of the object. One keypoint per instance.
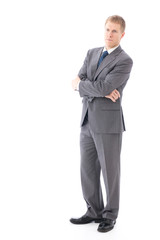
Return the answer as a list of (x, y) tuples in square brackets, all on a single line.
[(111, 49)]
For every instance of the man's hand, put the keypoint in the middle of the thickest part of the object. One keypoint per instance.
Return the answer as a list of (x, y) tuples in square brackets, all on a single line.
[(113, 95), (75, 83)]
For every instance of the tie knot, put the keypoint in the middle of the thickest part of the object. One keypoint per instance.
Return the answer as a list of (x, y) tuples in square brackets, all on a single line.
[(105, 53)]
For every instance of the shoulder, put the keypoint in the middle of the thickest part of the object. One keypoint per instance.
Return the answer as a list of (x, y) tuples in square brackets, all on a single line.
[(125, 57), (95, 50)]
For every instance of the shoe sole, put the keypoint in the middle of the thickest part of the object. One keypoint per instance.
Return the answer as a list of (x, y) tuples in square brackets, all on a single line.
[(107, 230), (94, 220)]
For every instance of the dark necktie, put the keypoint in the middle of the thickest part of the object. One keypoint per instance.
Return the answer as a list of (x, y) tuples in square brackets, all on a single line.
[(105, 53)]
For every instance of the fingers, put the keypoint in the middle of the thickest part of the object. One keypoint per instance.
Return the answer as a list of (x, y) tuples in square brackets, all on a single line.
[(114, 95), (111, 97), (75, 83), (115, 92)]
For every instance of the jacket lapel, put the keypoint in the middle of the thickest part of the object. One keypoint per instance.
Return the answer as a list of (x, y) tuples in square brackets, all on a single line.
[(107, 60), (94, 64)]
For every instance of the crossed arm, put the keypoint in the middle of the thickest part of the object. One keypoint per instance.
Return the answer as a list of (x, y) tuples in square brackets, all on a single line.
[(114, 95), (108, 87)]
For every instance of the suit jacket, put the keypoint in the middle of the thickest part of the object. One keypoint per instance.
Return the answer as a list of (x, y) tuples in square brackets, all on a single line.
[(104, 115)]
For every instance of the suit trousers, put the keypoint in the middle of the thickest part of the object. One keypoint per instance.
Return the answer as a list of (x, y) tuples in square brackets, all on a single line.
[(100, 152)]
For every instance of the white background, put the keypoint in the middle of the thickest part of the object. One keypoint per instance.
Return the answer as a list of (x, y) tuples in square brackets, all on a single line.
[(42, 47)]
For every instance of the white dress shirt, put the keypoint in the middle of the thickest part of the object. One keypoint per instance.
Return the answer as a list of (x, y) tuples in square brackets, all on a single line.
[(110, 50)]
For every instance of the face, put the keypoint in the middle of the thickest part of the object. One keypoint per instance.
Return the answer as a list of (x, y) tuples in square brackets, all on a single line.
[(113, 35)]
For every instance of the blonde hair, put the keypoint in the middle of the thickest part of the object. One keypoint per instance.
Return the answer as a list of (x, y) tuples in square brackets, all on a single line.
[(117, 19)]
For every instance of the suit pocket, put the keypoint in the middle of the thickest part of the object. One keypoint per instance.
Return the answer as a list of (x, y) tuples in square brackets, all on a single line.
[(104, 104), (107, 121), (110, 110)]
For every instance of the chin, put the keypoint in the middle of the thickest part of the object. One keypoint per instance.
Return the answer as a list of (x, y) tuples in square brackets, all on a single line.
[(109, 46)]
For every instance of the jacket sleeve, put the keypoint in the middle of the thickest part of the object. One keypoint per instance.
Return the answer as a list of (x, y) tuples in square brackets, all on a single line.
[(103, 87), (83, 71)]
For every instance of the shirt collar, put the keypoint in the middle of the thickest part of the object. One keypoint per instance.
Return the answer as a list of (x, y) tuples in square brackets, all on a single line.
[(110, 50)]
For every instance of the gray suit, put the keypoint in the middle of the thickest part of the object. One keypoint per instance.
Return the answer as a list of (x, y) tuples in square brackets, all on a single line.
[(102, 125)]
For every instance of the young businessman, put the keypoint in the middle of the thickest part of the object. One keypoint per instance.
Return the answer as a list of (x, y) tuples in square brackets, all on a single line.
[(100, 82)]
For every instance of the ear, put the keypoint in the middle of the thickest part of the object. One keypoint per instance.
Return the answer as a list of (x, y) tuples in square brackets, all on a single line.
[(122, 35)]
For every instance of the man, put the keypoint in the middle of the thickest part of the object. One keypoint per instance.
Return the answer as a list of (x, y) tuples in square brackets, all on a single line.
[(100, 82)]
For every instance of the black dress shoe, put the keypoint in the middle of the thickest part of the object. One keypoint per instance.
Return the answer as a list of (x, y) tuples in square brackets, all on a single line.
[(106, 226), (85, 219)]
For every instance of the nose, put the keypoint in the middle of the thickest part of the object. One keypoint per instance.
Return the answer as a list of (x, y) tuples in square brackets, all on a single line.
[(110, 34)]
